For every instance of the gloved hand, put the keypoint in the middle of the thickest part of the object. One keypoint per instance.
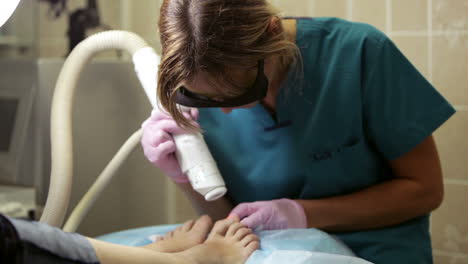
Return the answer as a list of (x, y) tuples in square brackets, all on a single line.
[(269, 215), (159, 146)]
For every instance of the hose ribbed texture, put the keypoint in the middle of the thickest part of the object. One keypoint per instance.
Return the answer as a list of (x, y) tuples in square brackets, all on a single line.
[(61, 115)]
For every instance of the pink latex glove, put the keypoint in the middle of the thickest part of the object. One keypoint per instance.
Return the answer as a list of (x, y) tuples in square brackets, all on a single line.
[(269, 215), (158, 144)]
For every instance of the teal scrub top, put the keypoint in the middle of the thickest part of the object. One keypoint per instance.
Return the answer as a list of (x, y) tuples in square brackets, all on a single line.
[(355, 104)]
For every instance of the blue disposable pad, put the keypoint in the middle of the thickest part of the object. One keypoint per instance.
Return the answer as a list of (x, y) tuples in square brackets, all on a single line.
[(293, 246)]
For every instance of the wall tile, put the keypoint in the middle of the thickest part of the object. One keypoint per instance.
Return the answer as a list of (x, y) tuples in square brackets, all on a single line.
[(144, 17), (331, 8), (53, 40), (7, 53), (451, 67), (416, 50), (449, 223), (23, 26), (451, 259), (370, 11), (441, 259), (49, 27), (453, 146), (53, 49), (185, 211), (294, 8), (450, 14), (110, 12), (409, 15)]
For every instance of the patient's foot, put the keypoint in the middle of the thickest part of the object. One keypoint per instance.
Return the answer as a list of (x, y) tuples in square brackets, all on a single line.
[(229, 242), (188, 235)]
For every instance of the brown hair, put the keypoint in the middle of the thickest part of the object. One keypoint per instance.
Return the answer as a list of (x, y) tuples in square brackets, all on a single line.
[(208, 35)]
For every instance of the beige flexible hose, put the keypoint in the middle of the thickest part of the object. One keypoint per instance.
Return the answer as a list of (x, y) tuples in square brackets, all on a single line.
[(85, 204), (61, 116)]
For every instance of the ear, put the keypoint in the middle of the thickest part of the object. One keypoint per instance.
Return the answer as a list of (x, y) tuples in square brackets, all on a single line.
[(275, 26)]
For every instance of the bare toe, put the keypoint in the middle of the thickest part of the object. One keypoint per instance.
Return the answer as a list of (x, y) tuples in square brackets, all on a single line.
[(250, 248), (178, 229), (242, 232), (230, 242), (249, 239), (187, 226), (234, 228), (170, 234), (203, 224), (221, 227)]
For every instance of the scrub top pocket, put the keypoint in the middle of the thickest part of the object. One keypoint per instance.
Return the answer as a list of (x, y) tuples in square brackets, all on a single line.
[(343, 170)]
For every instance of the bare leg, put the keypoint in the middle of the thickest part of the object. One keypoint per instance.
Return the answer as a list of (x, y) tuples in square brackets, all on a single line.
[(229, 242), (190, 234), (109, 253)]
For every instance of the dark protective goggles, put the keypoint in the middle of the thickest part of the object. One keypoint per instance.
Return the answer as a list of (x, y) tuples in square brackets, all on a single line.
[(257, 92)]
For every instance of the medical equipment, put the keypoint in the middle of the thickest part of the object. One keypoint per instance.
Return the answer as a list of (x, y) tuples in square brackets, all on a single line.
[(16, 111), (16, 108), (19, 202), (12, 105), (193, 154)]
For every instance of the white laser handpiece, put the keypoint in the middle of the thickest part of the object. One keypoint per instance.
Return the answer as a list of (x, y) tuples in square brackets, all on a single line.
[(194, 157), (198, 164)]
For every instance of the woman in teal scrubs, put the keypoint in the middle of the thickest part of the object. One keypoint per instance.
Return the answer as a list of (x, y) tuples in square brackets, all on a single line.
[(313, 122)]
